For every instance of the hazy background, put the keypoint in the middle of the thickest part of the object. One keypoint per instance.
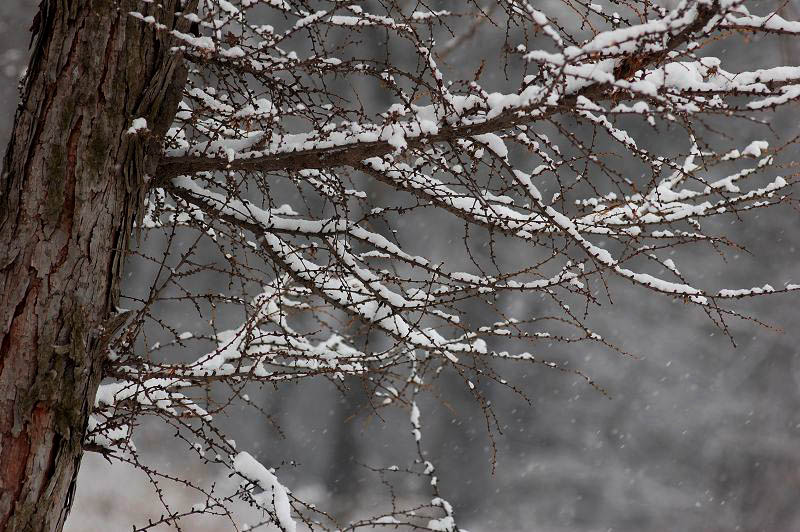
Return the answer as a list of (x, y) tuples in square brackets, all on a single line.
[(697, 435)]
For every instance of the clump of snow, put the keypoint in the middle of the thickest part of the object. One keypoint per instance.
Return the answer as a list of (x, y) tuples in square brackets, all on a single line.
[(755, 148), (139, 124), (275, 496)]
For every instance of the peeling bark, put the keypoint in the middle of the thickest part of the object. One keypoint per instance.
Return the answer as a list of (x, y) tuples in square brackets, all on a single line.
[(71, 187)]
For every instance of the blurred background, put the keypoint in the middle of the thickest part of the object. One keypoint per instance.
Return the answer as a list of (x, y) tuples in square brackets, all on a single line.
[(695, 434)]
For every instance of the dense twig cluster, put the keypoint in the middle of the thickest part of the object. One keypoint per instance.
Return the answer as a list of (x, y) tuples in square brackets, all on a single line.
[(263, 188)]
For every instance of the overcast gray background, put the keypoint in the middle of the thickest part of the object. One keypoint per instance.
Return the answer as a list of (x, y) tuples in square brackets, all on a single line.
[(697, 435)]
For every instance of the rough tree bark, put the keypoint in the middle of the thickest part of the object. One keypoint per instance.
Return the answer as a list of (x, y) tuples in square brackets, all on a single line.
[(72, 183)]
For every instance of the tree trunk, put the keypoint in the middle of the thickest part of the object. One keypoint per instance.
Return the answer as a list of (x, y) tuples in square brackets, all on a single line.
[(72, 184)]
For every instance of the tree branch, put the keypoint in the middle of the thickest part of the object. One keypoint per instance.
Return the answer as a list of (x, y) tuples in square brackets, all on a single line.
[(352, 154)]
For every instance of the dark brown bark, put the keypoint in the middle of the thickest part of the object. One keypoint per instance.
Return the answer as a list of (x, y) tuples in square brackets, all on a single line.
[(71, 186)]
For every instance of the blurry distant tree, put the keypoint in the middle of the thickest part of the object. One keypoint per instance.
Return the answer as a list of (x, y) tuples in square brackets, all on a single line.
[(211, 129)]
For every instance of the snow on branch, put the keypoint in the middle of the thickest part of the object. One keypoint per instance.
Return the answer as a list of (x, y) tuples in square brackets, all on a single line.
[(374, 192)]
